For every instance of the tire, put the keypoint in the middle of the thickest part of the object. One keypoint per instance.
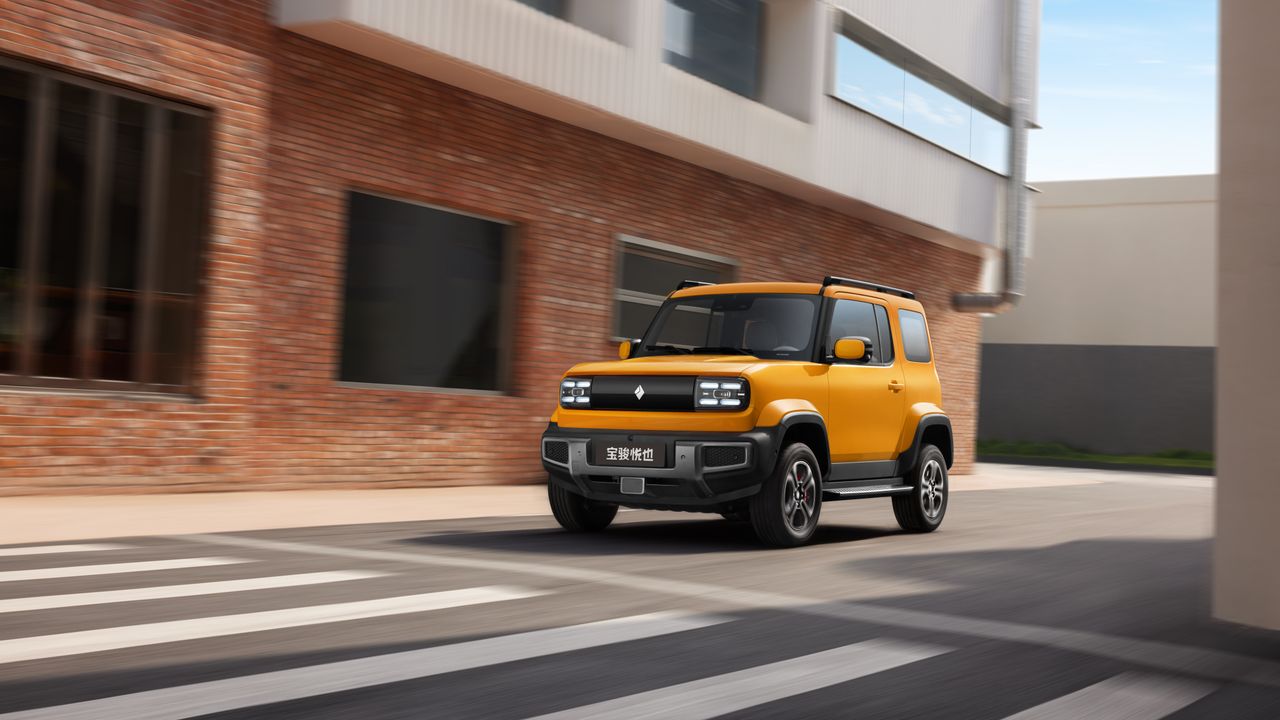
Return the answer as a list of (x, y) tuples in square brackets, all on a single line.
[(922, 510), (785, 511), (576, 513)]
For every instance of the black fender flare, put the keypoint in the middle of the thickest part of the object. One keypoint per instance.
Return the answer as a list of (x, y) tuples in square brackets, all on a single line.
[(806, 417), (907, 460)]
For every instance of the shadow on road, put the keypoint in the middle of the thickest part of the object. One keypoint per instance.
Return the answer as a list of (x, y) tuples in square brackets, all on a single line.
[(1159, 589), (696, 535)]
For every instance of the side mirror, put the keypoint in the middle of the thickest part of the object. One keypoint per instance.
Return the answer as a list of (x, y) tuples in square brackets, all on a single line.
[(624, 348), (853, 348)]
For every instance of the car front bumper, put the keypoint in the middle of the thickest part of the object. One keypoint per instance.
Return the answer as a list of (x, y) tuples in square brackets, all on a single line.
[(740, 464)]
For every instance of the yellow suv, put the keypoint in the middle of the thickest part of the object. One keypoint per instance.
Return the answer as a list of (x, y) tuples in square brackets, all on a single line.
[(758, 401)]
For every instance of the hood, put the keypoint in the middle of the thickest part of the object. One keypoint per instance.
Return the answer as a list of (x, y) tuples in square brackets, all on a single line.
[(670, 365)]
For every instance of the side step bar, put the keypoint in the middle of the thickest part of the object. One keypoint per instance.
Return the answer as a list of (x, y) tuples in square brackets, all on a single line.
[(851, 491)]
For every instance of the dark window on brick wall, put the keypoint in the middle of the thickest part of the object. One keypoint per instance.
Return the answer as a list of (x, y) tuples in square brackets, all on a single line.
[(648, 272), (425, 301), (717, 40), (103, 197)]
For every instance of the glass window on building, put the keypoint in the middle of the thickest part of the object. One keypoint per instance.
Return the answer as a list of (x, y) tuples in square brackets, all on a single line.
[(648, 273), (868, 81), (885, 88), (717, 40), (937, 116), (424, 303), (990, 144), (915, 336), (103, 200), (554, 8)]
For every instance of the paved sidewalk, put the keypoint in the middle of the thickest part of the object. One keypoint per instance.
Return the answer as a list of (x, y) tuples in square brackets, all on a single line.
[(33, 519)]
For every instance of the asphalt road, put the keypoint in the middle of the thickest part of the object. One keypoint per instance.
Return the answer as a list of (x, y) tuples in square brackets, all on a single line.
[(1077, 601)]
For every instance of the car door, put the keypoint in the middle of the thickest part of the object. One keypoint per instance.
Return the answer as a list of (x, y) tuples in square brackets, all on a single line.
[(867, 404)]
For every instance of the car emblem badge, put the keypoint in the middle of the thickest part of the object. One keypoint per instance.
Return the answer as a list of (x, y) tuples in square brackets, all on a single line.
[(639, 392)]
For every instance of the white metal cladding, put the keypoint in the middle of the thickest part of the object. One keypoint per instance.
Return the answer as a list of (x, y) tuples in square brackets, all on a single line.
[(506, 50)]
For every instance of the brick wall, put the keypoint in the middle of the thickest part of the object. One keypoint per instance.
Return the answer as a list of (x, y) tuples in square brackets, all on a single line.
[(299, 124), (66, 442)]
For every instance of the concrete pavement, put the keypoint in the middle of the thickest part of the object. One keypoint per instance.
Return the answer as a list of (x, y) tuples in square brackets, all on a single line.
[(1068, 594), (32, 519)]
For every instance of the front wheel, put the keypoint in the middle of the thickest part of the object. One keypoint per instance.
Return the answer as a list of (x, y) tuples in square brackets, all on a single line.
[(576, 513), (923, 508), (785, 511)]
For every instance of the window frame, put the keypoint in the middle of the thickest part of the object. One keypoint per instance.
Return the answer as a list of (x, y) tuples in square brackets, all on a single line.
[(507, 300), (912, 63), (658, 251), (33, 238)]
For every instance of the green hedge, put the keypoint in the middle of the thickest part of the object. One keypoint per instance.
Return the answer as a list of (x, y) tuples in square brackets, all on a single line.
[(1058, 451)]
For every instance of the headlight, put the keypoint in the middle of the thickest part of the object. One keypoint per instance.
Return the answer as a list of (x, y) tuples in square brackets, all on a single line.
[(575, 392), (722, 394)]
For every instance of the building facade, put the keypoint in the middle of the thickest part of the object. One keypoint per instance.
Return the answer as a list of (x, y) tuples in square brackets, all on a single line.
[(356, 242), (1246, 582), (1112, 350)]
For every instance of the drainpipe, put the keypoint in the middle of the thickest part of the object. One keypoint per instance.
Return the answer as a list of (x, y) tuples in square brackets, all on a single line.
[(1016, 195)]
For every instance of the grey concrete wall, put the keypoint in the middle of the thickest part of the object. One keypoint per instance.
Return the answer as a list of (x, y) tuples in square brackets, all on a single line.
[(1106, 398), (1126, 261)]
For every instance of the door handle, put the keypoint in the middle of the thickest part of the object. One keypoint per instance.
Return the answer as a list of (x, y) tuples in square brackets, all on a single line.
[(895, 386)]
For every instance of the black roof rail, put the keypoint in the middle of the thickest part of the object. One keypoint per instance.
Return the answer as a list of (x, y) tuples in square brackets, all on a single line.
[(692, 283), (865, 285)]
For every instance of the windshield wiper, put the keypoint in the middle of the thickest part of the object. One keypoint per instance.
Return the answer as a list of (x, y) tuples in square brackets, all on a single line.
[(669, 349), (725, 350)]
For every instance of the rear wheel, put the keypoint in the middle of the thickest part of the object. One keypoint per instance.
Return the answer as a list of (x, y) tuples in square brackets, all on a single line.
[(923, 508), (578, 514), (785, 511)]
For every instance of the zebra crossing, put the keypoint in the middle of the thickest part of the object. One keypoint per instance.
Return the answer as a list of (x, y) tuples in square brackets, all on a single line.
[(749, 685)]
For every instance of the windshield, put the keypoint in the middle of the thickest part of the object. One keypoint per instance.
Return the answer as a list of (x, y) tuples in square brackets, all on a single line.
[(773, 326)]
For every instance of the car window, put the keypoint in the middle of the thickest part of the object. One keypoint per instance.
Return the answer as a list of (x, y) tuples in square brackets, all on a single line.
[(915, 336), (884, 351), (766, 325), (854, 318)]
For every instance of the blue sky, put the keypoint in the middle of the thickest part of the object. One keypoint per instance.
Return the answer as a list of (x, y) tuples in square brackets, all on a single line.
[(1127, 88)]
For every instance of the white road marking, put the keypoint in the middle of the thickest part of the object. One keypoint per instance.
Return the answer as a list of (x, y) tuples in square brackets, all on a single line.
[(52, 549), (284, 685), (1216, 664), (1131, 696), (48, 602), (113, 568), (115, 638), (723, 694)]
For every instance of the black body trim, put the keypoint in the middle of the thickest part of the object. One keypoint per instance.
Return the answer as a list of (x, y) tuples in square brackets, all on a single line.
[(683, 484), (865, 470)]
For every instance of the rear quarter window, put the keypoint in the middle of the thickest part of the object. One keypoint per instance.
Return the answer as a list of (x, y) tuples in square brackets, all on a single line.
[(915, 336)]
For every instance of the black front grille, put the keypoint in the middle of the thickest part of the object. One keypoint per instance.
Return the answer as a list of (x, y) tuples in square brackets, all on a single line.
[(721, 455), (641, 392), (556, 451)]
